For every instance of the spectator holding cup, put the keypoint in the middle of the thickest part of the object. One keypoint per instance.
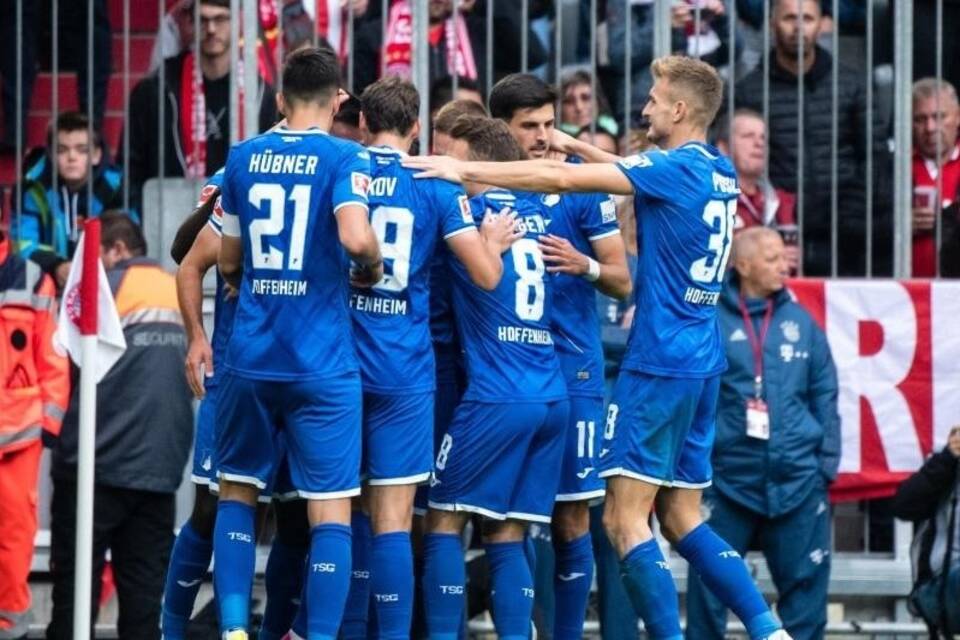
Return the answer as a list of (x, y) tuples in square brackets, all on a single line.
[(936, 123)]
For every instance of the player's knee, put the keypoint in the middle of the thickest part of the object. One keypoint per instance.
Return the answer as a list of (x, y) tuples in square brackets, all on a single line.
[(676, 524), (571, 520), (503, 531)]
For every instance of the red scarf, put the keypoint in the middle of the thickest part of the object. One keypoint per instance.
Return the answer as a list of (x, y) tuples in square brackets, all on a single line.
[(397, 56), (193, 116)]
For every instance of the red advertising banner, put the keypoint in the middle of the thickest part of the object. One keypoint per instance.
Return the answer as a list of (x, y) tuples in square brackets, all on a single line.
[(896, 345)]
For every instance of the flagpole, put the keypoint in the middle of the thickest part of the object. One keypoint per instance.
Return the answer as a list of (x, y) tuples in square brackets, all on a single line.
[(87, 436)]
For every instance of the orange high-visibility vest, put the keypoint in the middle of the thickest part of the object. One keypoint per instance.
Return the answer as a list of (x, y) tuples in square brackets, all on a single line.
[(34, 378)]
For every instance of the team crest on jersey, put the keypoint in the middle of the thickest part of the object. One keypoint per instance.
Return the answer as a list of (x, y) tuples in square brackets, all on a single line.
[(791, 330), (218, 209), (359, 182), (639, 160), (551, 199), (608, 211), (465, 211)]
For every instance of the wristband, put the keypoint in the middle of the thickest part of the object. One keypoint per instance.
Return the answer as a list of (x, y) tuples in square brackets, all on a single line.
[(593, 271)]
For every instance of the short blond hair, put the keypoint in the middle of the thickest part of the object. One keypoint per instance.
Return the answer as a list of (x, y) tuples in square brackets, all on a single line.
[(698, 82)]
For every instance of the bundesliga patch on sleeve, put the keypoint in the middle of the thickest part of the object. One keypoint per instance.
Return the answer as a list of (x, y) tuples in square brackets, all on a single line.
[(608, 211), (360, 183), (639, 160), (465, 211), (205, 194)]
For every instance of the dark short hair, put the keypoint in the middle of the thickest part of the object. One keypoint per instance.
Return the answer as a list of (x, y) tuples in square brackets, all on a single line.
[(489, 139), (390, 104), (311, 74), (441, 91), (70, 121), (223, 4), (519, 91), (448, 114), (117, 226), (349, 112)]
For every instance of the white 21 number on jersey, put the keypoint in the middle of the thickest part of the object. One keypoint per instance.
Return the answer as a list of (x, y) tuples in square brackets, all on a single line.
[(710, 268), (276, 197)]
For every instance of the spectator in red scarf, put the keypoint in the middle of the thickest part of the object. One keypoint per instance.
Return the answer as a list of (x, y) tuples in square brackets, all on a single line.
[(195, 116), (934, 124), (743, 138)]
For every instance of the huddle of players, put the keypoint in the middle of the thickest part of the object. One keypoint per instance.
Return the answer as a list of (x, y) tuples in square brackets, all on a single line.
[(316, 362)]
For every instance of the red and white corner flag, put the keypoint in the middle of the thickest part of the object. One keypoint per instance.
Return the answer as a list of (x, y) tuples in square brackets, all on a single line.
[(88, 308)]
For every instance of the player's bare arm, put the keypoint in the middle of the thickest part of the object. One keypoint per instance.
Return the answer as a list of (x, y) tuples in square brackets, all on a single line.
[(230, 260), (480, 252), (611, 274), (567, 144), (541, 176), (201, 256), (360, 242)]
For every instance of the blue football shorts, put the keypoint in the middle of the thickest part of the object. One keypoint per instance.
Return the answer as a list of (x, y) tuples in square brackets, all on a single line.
[(501, 460), (397, 438), (579, 475), (321, 424), (660, 430)]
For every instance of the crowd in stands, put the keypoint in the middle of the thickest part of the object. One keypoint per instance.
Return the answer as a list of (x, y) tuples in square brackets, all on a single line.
[(792, 178)]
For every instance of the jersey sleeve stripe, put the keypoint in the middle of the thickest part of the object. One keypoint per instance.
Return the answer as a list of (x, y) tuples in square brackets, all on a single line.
[(357, 203), (458, 232), (231, 225), (605, 234)]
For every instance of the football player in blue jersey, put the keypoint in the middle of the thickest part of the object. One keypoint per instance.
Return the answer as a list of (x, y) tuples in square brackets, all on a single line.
[(501, 455), (294, 210), (391, 327), (660, 425), (585, 252)]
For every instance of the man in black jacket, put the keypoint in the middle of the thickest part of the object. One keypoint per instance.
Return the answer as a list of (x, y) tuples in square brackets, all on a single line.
[(144, 431), (195, 117), (816, 103), (929, 498)]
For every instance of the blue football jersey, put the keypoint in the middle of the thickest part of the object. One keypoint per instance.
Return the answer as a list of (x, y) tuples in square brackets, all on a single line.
[(392, 319), (686, 203), (581, 218), (223, 309), (505, 333), (281, 191), (442, 326)]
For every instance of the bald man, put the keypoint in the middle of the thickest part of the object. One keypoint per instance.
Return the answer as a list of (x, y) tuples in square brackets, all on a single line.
[(778, 441)]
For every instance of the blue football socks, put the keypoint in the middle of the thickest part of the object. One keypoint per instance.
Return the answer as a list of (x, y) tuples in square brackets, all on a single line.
[(444, 576), (725, 574), (649, 583), (355, 616), (328, 579), (234, 552), (188, 566), (391, 584), (511, 589), (283, 580), (571, 586)]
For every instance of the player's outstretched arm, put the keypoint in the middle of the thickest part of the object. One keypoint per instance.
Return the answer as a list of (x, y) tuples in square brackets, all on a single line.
[(565, 143), (194, 265), (541, 176), (481, 252), (360, 242)]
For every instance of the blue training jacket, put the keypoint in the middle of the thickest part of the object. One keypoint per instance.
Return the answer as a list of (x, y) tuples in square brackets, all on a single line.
[(800, 388)]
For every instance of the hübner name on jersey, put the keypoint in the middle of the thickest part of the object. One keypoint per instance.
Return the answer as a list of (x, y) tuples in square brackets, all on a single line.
[(701, 296), (265, 286), (376, 304), (725, 184), (269, 162), (524, 335)]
